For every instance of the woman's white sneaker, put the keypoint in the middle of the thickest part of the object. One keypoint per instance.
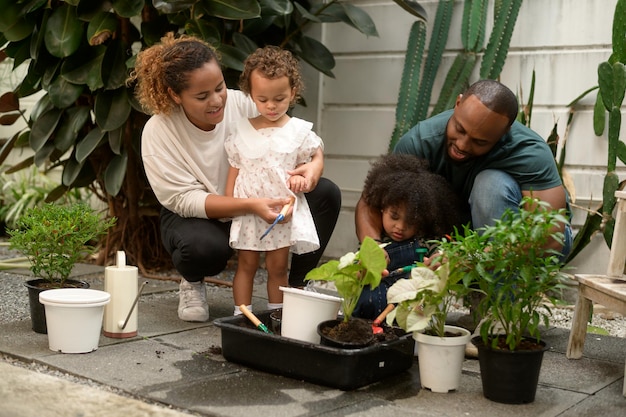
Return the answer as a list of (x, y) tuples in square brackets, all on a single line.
[(192, 304)]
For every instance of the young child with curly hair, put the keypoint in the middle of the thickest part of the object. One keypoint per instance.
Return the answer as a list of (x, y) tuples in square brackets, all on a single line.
[(416, 206), (261, 150)]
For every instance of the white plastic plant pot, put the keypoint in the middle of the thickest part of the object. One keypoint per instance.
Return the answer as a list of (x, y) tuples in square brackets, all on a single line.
[(441, 359), (304, 310), (74, 318)]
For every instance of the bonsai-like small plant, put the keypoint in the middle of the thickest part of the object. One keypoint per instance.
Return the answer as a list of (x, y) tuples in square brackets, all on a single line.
[(352, 272), (55, 237), (511, 265), (424, 300)]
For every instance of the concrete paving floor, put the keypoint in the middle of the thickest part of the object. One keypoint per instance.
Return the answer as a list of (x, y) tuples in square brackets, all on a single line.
[(174, 368)]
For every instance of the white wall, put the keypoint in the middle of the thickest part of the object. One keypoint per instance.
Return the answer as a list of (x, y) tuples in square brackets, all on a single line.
[(562, 40)]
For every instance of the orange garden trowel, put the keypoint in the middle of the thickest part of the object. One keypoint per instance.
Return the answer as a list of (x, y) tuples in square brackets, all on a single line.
[(280, 217), (376, 329)]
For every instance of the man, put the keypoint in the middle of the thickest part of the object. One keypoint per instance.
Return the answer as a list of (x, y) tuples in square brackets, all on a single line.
[(491, 160)]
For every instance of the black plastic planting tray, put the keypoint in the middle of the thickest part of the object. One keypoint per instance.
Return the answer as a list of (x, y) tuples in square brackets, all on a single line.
[(345, 369)]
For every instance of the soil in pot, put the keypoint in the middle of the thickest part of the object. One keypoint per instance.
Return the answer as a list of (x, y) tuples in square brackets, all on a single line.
[(352, 334)]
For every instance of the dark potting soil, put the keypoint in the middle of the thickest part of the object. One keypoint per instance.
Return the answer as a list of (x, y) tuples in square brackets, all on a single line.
[(525, 344), (358, 331), (55, 284)]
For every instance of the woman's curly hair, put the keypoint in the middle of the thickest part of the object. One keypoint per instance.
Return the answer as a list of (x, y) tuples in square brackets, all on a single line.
[(397, 180), (167, 64), (273, 62)]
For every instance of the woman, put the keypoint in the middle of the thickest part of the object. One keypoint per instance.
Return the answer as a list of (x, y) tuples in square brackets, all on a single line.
[(180, 82)]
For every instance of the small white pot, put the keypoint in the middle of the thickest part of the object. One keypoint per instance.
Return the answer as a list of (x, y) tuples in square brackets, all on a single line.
[(304, 310), (74, 318), (441, 359)]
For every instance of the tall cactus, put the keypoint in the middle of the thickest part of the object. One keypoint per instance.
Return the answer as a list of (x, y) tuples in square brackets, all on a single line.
[(407, 96), (472, 38), (505, 16), (413, 103), (438, 39), (455, 81), (416, 84), (612, 87), (473, 24)]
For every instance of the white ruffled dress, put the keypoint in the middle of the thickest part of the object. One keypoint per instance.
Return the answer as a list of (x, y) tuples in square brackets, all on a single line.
[(263, 158)]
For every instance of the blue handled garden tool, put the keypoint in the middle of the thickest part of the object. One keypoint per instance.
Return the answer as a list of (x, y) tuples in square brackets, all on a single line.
[(280, 217)]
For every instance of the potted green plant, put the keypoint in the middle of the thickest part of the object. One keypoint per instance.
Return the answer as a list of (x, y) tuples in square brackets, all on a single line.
[(350, 274), (422, 305), (53, 238), (519, 276)]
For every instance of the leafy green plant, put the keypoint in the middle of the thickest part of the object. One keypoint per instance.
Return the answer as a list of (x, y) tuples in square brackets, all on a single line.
[(55, 237), (424, 300), (511, 266), (353, 272), (87, 122)]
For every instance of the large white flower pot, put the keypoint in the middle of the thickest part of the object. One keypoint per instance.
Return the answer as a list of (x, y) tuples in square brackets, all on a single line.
[(74, 318), (441, 359), (304, 310)]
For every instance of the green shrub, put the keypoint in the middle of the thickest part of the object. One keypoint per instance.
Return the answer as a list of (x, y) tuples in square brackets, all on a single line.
[(55, 237)]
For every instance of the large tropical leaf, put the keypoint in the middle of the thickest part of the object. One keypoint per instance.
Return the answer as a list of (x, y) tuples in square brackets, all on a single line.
[(204, 29), (114, 71), (74, 120), (116, 138), (63, 32), (101, 28), (43, 128), (63, 94), (128, 8), (306, 14), (351, 15), (112, 109), (413, 7), (85, 68), (234, 9), (232, 57), (115, 173), (85, 147), (316, 54), (70, 171), (9, 102), (277, 7)]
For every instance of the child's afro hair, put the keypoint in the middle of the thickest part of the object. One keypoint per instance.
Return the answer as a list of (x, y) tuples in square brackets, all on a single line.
[(397, 180)]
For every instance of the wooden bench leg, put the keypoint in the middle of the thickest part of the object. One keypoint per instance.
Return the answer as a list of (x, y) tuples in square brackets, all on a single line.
[(579, 327)]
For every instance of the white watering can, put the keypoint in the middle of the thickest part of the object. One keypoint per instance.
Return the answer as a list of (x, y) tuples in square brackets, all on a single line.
[(120, 315)]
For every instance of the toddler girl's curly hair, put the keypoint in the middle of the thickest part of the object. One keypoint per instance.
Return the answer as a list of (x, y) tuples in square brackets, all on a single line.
[(398, 180), (273, 62)]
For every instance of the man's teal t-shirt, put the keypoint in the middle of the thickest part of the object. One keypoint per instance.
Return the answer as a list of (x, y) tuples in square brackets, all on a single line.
[(521, 153)]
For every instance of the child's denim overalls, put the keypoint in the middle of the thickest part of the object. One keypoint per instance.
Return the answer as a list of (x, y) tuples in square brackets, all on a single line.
[(373, 301)]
